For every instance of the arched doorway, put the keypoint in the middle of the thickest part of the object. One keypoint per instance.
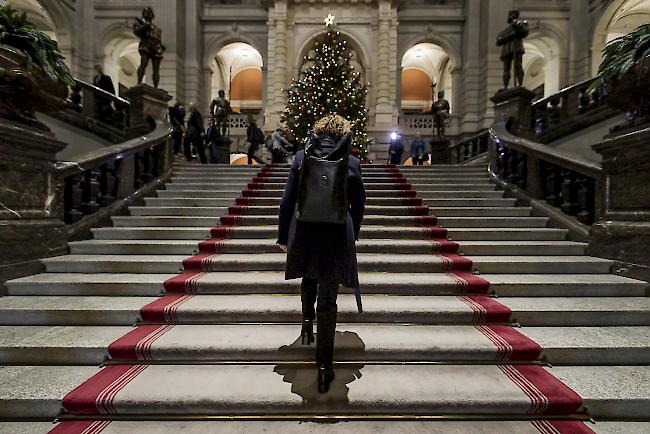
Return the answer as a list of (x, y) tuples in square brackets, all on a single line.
[(237, 70), (426, 70), (542, 65), (619, 19), (121, 59)]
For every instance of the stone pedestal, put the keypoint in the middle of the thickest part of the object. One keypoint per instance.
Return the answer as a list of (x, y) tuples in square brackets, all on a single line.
[(31, 228), (148, 104), (514, 104), (440, 151), (622, 231)]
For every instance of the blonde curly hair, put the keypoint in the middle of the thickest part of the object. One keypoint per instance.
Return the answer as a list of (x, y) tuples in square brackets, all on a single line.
[(333, 125)]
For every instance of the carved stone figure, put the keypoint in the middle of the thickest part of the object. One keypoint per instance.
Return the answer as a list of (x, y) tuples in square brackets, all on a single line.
[(440, 110), (151, 47), (511, 41), (220, 109)]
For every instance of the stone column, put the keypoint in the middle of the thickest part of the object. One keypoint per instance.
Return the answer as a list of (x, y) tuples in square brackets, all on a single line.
[(386, 71), (83, 55), (168, 18), (31, 227), (192, 52), (277, 64)]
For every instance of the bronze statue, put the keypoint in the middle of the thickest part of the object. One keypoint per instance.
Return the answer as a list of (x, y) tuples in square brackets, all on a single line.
[(151, 47), (440, 110), (511, 41), (220, 109)]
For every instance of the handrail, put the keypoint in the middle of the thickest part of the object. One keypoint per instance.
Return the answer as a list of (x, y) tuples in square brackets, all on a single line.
[(97, 111), (567, 185), (104, 182), (94, 158), (102, 92), (468, 149), (541, 152), (566, 111), (563, 91)]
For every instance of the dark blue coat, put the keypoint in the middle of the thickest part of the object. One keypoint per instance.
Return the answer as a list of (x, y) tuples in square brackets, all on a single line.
[(321, 250)]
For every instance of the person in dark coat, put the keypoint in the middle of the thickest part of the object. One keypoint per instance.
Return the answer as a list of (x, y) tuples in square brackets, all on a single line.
[(213, 139), (105, 83), (322, 254), (395, 149), (177, 119), (255, 137), (195, 135)]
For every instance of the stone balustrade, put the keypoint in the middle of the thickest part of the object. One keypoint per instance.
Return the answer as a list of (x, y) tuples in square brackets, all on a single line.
[(567, 111), (97, 111)]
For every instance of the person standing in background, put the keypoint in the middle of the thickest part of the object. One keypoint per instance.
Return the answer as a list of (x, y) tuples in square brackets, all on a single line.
[(395, 149), (281, 145), (255, 138), (177, 119), (195, 135), (105, 83), (213, 139), (418, 150)]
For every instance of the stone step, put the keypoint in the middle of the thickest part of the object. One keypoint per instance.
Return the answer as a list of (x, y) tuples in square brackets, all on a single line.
[(439, 211), (188, 247), (380, 308), (368, 179), (396, 263), (364, 167), (37, 345), (448, 222), (280, 389), (367, 232), (421, 188), (370, 194), (306, 427), (512, 285)]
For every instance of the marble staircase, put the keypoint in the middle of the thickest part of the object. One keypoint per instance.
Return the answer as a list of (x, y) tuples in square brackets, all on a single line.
[(474, 310)]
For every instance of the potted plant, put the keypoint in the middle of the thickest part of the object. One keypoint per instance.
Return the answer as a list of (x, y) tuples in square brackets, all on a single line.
[(624, 75), (33, 75)]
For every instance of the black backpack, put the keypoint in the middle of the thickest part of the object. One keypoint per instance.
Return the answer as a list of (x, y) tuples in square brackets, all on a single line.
[(323, 183)]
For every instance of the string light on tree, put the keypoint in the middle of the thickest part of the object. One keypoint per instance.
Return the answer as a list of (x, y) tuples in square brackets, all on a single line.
[(329, 85)]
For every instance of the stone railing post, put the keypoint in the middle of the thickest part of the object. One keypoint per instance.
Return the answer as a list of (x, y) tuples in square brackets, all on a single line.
[(514, 104), (31, 226), (622, 231), (148, 104)]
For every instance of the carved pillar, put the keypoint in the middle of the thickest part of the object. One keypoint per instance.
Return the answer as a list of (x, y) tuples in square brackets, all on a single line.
[(147, 105), (386, 72), (278, 61), (622, 231), (31, 227)]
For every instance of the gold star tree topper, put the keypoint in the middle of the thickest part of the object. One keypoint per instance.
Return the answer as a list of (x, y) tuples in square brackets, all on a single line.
[(329, 21)]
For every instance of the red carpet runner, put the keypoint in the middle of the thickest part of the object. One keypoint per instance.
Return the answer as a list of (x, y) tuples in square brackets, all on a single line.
[(547, 394)]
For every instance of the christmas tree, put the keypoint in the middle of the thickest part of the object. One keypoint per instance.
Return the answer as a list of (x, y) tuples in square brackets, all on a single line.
[(329, 85)]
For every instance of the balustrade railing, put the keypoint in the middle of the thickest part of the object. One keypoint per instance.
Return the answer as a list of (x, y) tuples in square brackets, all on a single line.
[(97, 111), (568, 110), (470, 148), (98, 183), (560, 180)]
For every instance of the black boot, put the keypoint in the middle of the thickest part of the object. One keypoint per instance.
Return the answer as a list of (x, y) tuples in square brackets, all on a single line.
[(326, 330), (307, 333)]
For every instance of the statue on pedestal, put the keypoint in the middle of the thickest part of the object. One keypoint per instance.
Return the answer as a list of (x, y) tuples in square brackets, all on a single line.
[(220, 109), (440, 111), (511, 41), (151, 47)]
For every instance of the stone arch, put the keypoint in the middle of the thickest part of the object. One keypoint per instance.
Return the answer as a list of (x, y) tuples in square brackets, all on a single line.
[(618, 12), (448, 45), (353, 40), (546, 54), (116, 50), (59, 23), (215, 45)]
